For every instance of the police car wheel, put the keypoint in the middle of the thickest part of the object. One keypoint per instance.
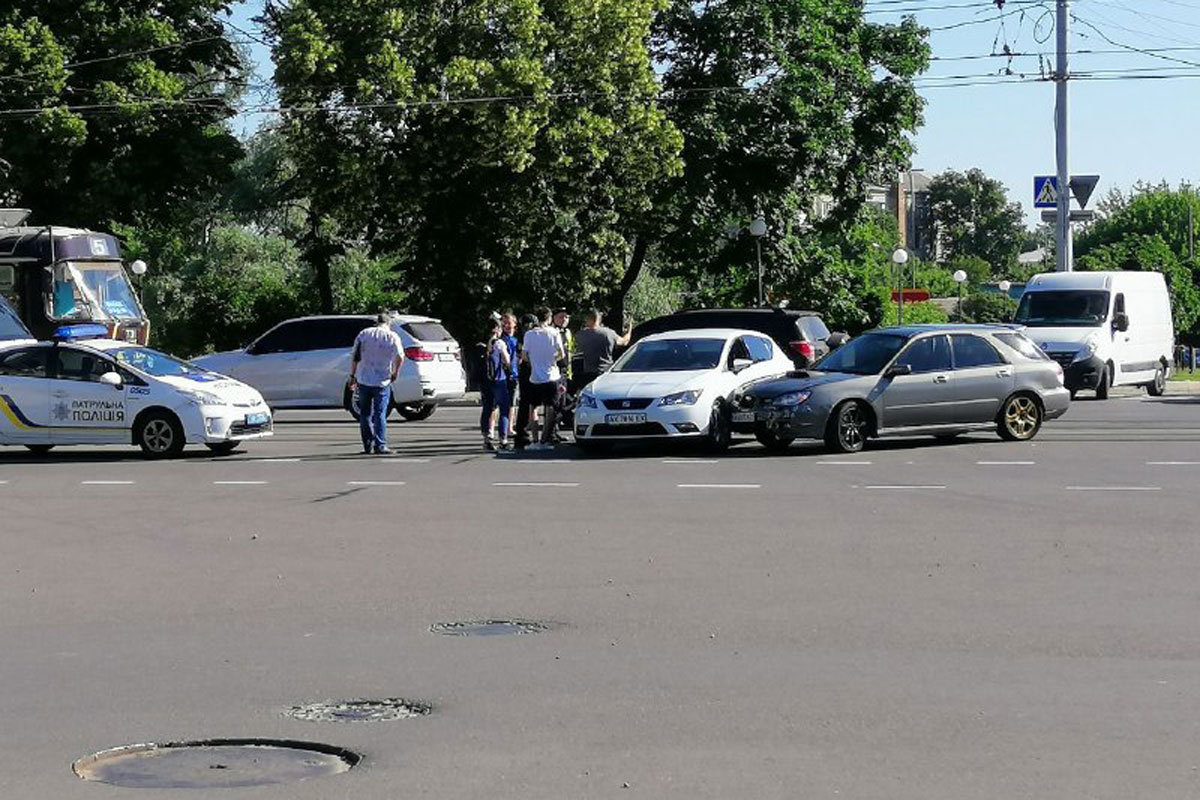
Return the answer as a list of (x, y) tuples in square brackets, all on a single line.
[(40, 449), (160, 435)]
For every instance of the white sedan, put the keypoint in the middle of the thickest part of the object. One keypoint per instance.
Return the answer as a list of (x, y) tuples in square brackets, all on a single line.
[(81, 390), (676, 385)]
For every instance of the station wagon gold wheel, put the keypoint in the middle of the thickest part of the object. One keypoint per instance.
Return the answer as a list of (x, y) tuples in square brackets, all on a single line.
[(1022, 417)]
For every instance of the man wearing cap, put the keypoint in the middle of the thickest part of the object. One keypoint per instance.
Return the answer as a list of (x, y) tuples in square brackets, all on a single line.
[(374, 365)]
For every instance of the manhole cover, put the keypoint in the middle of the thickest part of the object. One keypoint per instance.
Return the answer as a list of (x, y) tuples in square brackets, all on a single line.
[(214, 764), (359, 710), (490, 627)]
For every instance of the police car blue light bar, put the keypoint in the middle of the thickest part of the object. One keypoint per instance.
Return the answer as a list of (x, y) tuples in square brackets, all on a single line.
[(71, 333)]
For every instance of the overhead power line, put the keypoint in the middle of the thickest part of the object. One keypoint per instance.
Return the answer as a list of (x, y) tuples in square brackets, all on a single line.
[(119, 56)]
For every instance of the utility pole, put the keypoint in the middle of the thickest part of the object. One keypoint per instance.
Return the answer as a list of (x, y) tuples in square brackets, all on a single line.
[(1061, 129)]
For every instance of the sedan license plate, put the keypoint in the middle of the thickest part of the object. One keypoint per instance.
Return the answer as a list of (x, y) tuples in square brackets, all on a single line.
[(445, 356), (743, 416), (257, 419), (624, 419)]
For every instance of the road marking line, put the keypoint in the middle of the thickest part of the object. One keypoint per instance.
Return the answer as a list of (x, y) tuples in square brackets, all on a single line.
[(845, 463), (1113, 488), (1173, 463), (107, 483), (389, 460), (534, 483), (540, 461), (375, 483), (3, 483), (898, 487), (719, 485), (690, 461), (239, 483), (1006, 463), (274, 460)]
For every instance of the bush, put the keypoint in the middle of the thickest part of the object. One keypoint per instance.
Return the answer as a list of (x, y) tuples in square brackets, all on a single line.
[(987, 308), (914, 314)]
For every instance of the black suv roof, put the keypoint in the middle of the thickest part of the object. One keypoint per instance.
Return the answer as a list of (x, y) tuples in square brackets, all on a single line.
[(778, 323)]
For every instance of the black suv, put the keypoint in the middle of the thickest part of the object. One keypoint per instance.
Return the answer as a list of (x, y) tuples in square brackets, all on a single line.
[(801, 334)]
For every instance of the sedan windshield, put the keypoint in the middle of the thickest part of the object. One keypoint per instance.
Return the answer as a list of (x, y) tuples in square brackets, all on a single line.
[(669, 355), (866, 355), (159, 365), (1070, 308)]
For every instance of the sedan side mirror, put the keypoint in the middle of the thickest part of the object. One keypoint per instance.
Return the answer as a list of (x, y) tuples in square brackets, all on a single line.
[(112, 379), (896, 370), (740, 364), (836, 340), (1121, 321)]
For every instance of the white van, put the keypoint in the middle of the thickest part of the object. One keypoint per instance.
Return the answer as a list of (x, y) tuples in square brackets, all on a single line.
[(1105, 328)]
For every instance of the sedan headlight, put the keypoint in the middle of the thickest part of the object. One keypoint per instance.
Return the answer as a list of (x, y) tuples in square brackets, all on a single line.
[(791, 399), (687, 398), (587, 401), (203, 398)]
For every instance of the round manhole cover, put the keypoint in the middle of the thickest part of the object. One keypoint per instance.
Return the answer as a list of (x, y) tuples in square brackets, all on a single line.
[(489, 627), (359, 710), (214, 764)]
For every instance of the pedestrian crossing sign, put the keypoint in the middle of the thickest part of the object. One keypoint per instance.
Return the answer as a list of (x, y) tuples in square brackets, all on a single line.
[(1045, 191)]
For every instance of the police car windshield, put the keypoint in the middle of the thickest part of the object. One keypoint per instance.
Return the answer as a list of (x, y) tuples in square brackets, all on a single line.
[(156, 364)]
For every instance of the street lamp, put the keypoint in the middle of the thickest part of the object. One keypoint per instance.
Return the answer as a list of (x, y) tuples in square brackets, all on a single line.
[(758, 229), (1004, 287), (900, 258), (960, 277)]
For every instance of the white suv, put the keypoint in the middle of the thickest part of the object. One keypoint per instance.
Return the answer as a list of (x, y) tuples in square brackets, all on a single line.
[(305, 363)]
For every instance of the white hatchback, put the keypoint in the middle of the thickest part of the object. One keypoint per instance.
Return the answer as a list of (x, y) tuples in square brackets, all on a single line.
[(305, 363), (78, 390), (676, 385)]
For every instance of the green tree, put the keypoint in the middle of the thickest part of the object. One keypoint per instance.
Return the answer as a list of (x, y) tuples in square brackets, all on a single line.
[(778, 101), (971, 216), (115, 110), (504, 151), (1148, 230)]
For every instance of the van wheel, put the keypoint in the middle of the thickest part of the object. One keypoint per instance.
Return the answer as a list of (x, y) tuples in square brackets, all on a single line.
[(160, 435), (1021, 418), (1103, 384), (1158, 386), (415, 412)]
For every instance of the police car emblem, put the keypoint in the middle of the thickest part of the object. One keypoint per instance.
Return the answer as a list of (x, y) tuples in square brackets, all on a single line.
[(62, 411)]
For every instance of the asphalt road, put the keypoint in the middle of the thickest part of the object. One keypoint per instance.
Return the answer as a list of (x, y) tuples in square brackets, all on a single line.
[(974, 620)]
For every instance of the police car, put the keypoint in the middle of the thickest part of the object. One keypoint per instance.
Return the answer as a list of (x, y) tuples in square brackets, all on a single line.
[(84, 389)]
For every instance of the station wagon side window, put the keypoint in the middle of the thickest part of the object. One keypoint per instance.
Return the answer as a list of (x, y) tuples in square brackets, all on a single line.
[(27, 362), (931, 354), (81, 365), (760, 349), (973, 351)]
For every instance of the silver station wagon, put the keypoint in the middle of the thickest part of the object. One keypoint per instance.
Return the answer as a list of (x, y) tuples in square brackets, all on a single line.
[(940, 380)]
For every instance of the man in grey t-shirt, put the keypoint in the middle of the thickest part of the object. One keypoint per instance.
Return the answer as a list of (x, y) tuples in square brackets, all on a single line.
[(596, 344)]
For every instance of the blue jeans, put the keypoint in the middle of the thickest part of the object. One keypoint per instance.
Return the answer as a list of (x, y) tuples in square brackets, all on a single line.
[(373, 402)]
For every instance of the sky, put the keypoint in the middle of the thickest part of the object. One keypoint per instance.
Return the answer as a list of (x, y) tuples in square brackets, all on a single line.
[(1135, 112)]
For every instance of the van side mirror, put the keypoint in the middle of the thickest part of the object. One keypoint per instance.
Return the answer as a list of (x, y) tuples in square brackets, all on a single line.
[(740, 364), (1121, 321), (112, 379), (896, 370)]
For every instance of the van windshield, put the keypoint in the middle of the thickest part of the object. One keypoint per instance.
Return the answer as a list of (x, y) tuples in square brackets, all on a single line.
[(1063, 308)]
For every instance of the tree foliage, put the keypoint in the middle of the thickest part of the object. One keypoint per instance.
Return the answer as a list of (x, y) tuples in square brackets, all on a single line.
[(778, 101), (502, 150), (114, 110), (971, 217)]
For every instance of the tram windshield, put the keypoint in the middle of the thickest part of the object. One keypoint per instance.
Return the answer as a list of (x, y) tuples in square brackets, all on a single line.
[(95, 290)]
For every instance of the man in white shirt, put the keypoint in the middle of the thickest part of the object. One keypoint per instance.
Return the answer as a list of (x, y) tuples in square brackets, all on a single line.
[(378, 354), (542, 347)]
